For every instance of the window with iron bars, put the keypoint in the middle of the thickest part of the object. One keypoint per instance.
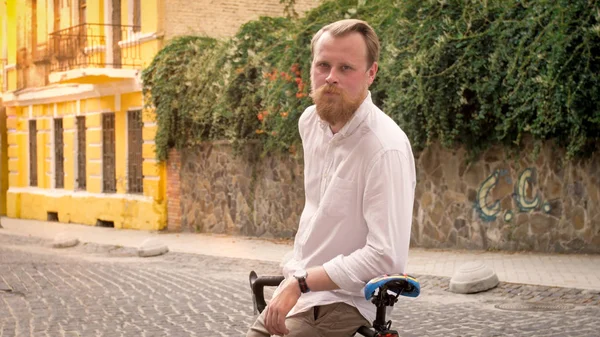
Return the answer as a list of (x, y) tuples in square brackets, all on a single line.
[(81, 153), (33, 176), (59, 158), (135, 182), (109, 182)]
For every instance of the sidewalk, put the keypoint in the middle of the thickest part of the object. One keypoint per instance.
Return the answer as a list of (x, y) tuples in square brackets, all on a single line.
[(560, 270)]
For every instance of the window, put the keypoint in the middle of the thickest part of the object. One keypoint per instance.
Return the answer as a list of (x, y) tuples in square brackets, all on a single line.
[(137, 15), (81, 154), (82, 6), (109, 182), (33, 177), (59, 158), (56, 6), (134, 147)]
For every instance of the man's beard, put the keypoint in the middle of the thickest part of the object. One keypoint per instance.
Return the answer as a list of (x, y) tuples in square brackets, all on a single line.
[(336, 108)]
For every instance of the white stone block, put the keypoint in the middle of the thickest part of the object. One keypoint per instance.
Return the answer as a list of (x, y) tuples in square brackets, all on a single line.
[(152, 247), (473, 277), (65, 240)]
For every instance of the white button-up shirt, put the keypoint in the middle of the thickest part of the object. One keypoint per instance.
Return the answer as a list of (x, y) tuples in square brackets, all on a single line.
[(359, 185)]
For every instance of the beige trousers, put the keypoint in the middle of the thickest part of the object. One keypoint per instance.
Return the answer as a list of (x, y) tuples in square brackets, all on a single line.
[(333, 320)]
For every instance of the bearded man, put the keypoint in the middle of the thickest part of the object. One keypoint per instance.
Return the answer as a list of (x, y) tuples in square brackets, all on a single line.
[(359, 177)]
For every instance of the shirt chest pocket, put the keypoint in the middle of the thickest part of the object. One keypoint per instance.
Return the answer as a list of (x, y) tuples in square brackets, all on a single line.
[(340, 198)]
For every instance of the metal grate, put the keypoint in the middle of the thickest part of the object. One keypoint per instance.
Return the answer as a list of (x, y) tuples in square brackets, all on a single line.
[(59, 158), (81, 153), (109, 182), (33, 176), (135, 141), (534, 306)]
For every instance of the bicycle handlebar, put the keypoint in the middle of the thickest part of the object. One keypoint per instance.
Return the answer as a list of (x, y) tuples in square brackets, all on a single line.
[(258, 294)]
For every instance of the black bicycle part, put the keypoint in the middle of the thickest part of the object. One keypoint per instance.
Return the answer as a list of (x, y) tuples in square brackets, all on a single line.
[(257, 284), (383, 299)]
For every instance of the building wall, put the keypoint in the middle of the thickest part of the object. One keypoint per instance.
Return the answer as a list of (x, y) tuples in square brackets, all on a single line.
[(9, 43), (79, 92), (126, 210), (221, 18), (35, 91)]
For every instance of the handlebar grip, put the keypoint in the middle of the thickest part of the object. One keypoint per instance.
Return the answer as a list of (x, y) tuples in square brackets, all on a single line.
[(270, 281)]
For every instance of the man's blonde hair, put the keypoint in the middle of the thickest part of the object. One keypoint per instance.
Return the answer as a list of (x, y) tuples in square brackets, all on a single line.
[(345, 27)]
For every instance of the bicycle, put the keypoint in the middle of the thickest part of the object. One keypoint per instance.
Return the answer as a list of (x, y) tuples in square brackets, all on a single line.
[(383, 291)]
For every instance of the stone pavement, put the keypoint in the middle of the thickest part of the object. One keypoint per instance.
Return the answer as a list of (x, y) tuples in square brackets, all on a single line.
[(555, 270), (107, 290)]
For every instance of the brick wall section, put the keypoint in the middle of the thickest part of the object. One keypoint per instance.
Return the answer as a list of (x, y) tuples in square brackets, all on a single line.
[(221, 18), (173, 191)]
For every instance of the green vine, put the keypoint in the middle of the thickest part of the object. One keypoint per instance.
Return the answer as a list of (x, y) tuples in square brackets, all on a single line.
[(464, 73), (289, 9)]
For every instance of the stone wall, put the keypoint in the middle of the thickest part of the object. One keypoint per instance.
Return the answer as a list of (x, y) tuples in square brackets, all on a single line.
[(502, 201), (507, 202), (223, 193)]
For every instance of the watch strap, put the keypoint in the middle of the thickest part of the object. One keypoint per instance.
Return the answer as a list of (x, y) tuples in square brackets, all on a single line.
[(303, 286)]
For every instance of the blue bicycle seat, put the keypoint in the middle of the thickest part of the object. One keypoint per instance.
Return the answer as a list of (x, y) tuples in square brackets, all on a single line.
[(404, 285)]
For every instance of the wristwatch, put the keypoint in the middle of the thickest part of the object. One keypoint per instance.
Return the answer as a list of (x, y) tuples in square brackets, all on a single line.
[(301, 276)]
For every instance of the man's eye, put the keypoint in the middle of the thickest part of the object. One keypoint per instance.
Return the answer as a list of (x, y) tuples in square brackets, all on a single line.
[(345, 68)]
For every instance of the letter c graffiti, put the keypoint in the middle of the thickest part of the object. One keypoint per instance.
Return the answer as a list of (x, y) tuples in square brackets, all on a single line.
[(520, 196), (488, 213)]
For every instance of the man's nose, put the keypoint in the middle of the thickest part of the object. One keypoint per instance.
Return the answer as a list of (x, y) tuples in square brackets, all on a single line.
[(332, 77)]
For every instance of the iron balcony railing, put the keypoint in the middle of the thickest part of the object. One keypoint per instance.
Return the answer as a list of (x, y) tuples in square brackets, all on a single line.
[(94, 45)]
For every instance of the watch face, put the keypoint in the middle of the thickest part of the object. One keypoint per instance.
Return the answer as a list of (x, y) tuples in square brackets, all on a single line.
[(300, 273)]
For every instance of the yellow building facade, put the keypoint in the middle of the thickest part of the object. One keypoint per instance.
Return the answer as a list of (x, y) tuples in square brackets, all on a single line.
[(79, 146)]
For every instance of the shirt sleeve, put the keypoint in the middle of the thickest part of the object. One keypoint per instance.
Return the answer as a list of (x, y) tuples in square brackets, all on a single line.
[(387, 208)]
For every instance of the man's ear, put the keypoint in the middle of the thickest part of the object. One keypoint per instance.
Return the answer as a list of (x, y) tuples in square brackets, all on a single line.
[(372, 72)]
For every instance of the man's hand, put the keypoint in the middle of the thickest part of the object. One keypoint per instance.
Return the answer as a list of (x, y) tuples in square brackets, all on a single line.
[(280, 306)]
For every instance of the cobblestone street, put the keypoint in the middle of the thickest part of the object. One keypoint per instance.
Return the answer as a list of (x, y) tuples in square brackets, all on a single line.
[(95, 290)]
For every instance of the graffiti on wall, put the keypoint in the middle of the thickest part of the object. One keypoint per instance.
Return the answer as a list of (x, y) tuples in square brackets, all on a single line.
[(489, 211)]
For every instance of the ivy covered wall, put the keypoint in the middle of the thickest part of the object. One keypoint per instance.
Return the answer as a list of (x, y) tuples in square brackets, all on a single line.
[(472, 73)]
